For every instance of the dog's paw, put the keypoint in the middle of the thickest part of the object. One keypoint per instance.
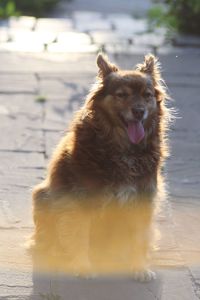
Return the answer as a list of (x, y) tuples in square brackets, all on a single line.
[(144, 275)]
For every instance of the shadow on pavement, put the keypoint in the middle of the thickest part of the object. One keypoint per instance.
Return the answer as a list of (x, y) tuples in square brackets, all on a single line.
[(107, 288)]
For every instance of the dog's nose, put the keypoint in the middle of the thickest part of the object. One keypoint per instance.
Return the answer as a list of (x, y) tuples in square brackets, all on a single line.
[(138, 112)]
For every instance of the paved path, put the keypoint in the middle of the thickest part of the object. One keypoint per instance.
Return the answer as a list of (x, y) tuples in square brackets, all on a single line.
[(31, 129), (136, 7), (79, 32)]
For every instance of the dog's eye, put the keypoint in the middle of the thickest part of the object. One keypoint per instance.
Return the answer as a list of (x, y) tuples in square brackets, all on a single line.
[(148, 95), (121, 94)]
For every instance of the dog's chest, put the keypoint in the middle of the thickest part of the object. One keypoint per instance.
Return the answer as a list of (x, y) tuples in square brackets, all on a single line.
[(135, 181), (125, 193)]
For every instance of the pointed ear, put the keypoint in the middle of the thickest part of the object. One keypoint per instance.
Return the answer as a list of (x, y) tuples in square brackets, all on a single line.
[(105, 67), (150, 66)]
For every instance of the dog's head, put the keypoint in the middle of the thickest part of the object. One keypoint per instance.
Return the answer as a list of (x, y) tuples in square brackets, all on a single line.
[(130, 99)]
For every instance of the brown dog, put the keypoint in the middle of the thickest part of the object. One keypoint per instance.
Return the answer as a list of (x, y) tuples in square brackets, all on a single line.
[(93, 213)]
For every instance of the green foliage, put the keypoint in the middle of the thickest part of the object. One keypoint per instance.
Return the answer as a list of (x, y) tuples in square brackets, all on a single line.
[(187, 13), (180, 15), (7, 9), (41, 99), (159, 17), (36, 8)]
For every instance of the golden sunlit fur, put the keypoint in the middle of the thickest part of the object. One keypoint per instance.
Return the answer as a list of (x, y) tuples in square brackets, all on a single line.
[(93, 213)]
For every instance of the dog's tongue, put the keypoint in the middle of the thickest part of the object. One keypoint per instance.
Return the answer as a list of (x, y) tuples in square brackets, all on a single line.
[(135, 132)]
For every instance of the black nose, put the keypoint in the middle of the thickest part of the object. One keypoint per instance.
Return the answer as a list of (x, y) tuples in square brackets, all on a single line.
[(138, 112)]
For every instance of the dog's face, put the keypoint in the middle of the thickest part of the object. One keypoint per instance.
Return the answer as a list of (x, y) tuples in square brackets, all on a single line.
[(131, 102), (130, 99)]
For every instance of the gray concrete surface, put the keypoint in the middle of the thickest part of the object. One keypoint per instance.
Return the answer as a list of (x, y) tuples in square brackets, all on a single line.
[(29, 132), (136, 7), (79, 32)]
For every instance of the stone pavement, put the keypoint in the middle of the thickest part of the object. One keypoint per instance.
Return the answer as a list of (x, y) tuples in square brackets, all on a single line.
[(29, 131), (80, 31), (136, 7), (54, 60)]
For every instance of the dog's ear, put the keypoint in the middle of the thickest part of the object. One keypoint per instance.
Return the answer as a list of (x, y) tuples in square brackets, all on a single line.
[(150, 66), (105, 67)]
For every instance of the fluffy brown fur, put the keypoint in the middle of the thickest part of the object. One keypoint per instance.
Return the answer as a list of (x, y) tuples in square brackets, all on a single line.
[(95, 207)]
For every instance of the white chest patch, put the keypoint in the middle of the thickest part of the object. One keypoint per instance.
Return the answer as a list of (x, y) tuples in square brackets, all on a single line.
[(125, 193)]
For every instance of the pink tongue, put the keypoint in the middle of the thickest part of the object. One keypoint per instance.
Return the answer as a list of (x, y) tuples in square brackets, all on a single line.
[(135, 132)]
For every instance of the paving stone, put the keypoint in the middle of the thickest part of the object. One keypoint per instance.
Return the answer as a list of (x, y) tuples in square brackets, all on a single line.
[(185, 189), (113, 6), (42, 285), (76, 83), (103, 37), (19, 175), (72, 42), (4, 22), (69, 97), (176, 62), (10, 293), (19, 172), (20, 104), (187, 105), (47, 63), (21, 122), (127, 50), (15, 262), (167, 252), (152, 39), (52, 138), (15, 265), (22, 22), (16, 203), (93, 25), (195, 270), (182, 80), (184, 62), (23, 135), (87, 15), (187, 212), (74, 38), (3, 34), (29, 41), (99, 288), (125, 23), (177, 285), (53, 25), (72, 48), (22, 48), (184, 163), (18, 83), (21, 116), (90, 21), (129, 60), (33, 37), (52, 88), (57, 115), (80, 83), (187, 41)]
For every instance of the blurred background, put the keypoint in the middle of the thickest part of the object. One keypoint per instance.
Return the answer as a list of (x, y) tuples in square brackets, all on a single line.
[(61, 26)]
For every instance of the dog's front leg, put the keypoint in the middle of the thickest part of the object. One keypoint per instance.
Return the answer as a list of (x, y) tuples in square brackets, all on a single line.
[(141, 241), (73, 232)]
